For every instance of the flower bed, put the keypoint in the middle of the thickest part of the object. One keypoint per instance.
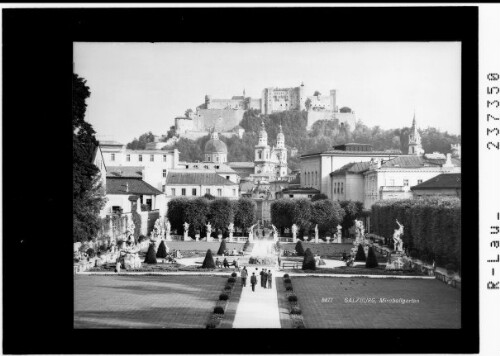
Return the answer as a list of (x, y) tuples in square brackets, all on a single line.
[(221, 305), (361, 269), (293, 304)]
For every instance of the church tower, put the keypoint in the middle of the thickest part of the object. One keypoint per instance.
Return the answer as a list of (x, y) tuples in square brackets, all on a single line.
[(281, 155), (414, 141), (262, 153)]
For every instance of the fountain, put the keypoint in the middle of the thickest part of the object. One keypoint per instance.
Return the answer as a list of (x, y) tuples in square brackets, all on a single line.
[(264, 249)]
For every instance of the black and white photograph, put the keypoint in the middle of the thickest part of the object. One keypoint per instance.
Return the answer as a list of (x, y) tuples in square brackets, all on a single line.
[(290, 179)]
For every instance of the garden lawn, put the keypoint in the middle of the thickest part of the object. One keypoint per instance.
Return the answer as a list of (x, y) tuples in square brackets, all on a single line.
[(322, 249), (145, 301), (438, 306), (202, 246)]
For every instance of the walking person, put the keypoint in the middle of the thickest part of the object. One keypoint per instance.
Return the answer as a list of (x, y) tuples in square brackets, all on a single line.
[(270, 279), (253, 281), (244, 275), (264, 279)]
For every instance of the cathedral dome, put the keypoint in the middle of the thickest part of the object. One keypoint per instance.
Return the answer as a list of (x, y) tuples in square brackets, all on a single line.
[(214, 145)]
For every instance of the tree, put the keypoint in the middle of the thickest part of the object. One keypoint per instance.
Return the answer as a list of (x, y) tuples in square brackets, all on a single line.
[(162, 250), (209, 196), (222, 248), (196, 213), (208, 262), (88, 193), (170, 133), (345, 109), (221, 214), (244, 213), (188, 112), (151, 255), (360, 254), (316, 93), (352, 210), (176, 213), (140, 144), (327, 215), (302, 215), (371, 260), (309, 262), (282, 213), (319, 196), (299, 248)]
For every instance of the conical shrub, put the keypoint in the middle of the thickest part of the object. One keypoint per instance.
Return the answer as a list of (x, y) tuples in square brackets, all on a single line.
[(371, 260), (299, 248), (309, 261), (162, 250), (360, 255), (222, 247), (151, 255), (208, 262)]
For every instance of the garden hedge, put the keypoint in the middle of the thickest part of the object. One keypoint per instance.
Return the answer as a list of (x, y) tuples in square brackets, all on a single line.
[(432, 226)]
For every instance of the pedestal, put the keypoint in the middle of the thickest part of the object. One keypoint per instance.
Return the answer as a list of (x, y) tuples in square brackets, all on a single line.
[(186, 236), (294, 238), (250, 238), (316, 239), (231, 238), (306, 238), (328, 239), (197, 236), (168, 237), (219, 237)]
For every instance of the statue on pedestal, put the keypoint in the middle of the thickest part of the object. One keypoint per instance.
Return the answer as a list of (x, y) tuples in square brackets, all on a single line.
[(294, 232), (209, 231), (168, 227), (398, 242), (250, 233), (360, 231), (316, 234), (231, 231), (275, 233), (186, 230)]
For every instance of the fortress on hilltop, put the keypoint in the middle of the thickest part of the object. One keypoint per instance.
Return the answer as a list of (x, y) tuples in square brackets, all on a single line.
[(224, 115)]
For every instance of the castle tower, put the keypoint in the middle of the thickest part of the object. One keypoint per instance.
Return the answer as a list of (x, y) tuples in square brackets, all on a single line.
[(302, 97), (414, 141), (333, 100), (280, 138)]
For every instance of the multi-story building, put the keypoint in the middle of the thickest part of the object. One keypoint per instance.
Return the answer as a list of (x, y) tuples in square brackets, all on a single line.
[(446, 184), (315, 168)]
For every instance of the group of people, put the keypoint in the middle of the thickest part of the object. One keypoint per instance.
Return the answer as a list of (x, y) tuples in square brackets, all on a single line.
[(225, 263), (266, 278), (233, 252)]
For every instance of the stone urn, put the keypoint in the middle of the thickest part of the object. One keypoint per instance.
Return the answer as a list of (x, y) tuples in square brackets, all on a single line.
[(197, 237), (219, 237), (328, 239)]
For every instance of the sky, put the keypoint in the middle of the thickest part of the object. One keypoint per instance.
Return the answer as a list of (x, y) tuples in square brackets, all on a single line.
[(141, 87)]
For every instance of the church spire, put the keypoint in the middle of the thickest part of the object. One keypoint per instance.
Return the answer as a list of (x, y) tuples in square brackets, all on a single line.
[(414, 139)]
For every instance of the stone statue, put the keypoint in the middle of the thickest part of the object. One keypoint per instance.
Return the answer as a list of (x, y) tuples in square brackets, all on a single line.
[(275, 232), (131, 227), (250, 233), (186, 227), (168, 227), (398, 242), (231, 227), (295, 228), (360, 231), (209, 228)]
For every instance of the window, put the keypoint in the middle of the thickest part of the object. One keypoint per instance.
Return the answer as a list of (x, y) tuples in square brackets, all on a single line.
[(419, 181), (112, 156), (151, 158), (290, 195), (342, 188), (164, 173), (216, 158), (391, 182), (206, 167), (183, 191), (260, 155), (234, 192), (163, 188), (140, 158), (405, 182), (309, 196), (208, 190), (219, 192), (335, 189), (227, 177), (173, 192), (164, 158), (209, 158), (193, 192), (128, 158)]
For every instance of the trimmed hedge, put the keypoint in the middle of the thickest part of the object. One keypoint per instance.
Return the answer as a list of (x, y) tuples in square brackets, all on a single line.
[(292, 298), (233, 274), (309, 262), (286, 275), (218, 310), (208, 262), (223, 296), (151, 255), (432, 226), (371, 260), (222, 248), (299, 248), (162, 250), (360, 254)]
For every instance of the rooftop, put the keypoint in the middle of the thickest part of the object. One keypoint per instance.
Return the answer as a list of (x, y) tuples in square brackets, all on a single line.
[(197, 179), (123, 171), (136, 186), (241, 164), (412, 161), (301, 190), (353, 167), (335, 152), (446, 180)]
